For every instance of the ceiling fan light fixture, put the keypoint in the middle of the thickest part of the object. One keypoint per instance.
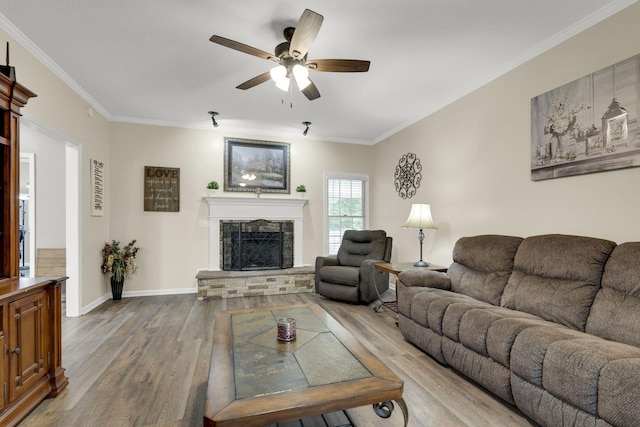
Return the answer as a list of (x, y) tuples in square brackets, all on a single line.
[(283, 84), (278, 73), (301, 74)]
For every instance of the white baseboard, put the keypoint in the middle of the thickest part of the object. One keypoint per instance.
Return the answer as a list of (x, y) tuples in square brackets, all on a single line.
[(132, 294), (87, 308)]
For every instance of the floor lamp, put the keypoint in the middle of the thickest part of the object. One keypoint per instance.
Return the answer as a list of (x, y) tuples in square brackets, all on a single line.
[(420, 217)]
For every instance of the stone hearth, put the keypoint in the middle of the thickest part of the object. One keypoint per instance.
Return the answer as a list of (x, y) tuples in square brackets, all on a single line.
[(235, 284)]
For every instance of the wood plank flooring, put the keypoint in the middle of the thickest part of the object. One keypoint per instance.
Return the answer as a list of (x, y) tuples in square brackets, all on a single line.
[(145, 361)]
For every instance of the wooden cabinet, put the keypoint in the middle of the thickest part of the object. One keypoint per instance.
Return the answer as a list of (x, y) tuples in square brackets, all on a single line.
[(28, 343), (13, 96), (30, 339), (30, 309)]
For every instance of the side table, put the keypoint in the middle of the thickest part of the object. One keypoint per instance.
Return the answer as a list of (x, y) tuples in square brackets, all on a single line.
[(396, 268)]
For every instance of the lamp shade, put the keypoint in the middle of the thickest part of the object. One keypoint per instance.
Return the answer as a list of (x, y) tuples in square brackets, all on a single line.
[(420, 217)]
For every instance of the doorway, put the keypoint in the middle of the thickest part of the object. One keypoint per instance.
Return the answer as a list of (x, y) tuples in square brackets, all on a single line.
[(27, 214), (58, 183)]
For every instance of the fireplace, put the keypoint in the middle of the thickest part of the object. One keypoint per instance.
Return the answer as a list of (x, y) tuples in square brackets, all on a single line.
[(256, 245), (245, 209)]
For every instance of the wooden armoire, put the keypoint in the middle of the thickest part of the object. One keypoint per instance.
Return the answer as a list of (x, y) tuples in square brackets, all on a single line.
[(30, 309)]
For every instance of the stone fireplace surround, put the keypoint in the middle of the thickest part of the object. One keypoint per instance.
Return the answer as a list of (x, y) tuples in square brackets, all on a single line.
[(214, 283)]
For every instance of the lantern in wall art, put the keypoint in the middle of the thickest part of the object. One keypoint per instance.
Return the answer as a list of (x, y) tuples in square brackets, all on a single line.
[(615, 127)]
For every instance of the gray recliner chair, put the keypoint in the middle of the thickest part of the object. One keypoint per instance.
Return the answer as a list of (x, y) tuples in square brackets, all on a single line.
[(350, 275)]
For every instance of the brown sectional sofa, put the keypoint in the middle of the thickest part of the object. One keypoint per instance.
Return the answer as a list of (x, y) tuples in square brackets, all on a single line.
[(549, 323)]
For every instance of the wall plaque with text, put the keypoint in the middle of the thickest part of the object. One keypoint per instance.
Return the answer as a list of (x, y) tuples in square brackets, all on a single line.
[(161, 189), (97, 187)]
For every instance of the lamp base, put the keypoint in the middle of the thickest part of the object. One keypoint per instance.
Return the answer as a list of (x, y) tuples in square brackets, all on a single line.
[(421, 263)]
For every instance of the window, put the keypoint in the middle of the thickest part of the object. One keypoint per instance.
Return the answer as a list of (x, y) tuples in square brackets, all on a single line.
[(346, 207)]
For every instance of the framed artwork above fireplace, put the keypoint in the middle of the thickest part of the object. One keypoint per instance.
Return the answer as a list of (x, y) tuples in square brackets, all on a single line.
[(256, 166)]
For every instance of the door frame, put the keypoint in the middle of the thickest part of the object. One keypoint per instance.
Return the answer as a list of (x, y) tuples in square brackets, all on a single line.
[(73, 217)]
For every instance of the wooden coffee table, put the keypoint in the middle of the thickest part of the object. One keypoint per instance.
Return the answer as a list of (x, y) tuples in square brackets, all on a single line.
[(256, 380)]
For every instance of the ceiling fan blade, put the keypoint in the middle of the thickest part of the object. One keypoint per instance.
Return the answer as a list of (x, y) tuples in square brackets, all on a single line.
[(339, 65), (305, 33), (242, 47), (254, 81), (311, 92)]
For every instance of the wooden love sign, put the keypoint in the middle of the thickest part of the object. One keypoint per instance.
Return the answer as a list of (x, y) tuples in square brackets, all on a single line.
[(161, 189)]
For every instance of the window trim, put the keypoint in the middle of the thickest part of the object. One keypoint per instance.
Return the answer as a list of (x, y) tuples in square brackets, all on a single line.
[(325, 203)]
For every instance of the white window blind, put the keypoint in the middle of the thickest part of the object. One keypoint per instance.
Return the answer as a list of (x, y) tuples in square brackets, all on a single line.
[(346, 204)]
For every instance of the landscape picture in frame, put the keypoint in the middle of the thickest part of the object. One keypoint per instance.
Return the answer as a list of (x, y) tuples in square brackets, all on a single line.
[(256, 166), (588, 125)]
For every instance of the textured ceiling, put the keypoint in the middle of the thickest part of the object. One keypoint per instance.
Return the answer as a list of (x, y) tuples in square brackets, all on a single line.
[(151, 62)]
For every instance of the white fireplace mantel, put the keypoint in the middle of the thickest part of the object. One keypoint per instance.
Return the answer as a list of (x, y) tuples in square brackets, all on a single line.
[(247, 209)]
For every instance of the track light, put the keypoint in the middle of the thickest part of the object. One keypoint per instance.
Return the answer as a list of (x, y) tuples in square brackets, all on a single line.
[(213, 118), (306, 129)]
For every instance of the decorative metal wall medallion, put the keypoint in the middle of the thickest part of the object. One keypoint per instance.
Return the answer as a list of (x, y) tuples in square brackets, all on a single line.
[(408, 176)]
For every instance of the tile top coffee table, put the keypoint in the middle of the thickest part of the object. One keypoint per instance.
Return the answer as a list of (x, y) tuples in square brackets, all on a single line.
[(255, 379)]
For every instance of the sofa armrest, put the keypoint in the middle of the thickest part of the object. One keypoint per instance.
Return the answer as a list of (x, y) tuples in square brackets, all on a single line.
[(425, 279), (323, 261)]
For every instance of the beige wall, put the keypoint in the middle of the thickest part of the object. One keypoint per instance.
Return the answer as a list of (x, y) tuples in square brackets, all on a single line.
[(476, 159), (61, 109), (175, 245)]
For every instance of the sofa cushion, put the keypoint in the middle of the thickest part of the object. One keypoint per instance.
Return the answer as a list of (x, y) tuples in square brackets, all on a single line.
[(445, 307), (592, 374), (556, 277), (358, 245), (615, 313), (482, 265), (424, 338), (492, 331), (455, 311), (618, 391), (548, 410), (340, 275), (429, 307), (412, 282), (491, 375)]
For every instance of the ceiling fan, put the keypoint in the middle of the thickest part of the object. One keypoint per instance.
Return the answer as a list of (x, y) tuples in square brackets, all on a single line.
[(291, 57)]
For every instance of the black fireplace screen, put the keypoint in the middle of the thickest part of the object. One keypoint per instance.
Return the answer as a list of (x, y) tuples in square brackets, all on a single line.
[(256, 245)]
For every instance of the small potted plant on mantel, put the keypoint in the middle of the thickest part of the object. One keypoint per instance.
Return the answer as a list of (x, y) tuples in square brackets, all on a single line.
[(301, 190), (212, 187)]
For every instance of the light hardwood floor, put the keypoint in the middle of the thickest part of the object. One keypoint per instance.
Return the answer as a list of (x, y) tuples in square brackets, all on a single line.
[(145, 361)]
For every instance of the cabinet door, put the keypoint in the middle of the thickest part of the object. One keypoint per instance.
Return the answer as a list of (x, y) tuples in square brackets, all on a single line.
[(27, 343)]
